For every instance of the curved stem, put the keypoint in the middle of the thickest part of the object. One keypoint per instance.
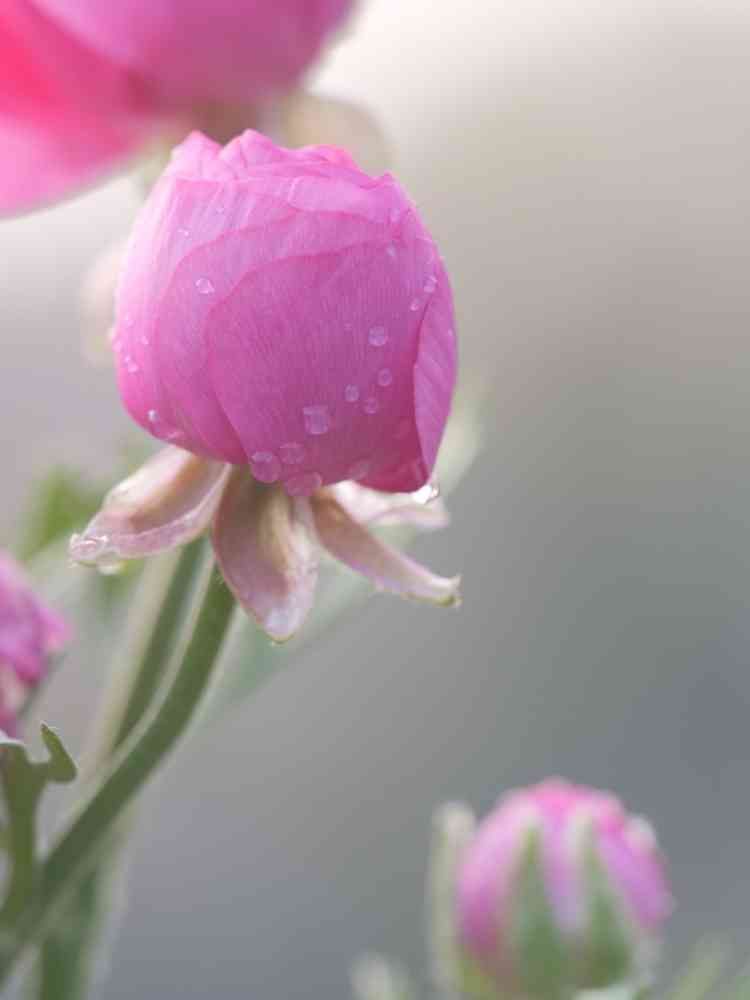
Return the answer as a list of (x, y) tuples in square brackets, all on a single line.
[(65, 965), (139, 758)]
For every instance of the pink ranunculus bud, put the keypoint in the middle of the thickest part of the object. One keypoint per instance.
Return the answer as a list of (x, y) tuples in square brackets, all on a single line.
[(200, 50), (560, 890), (286, 319), (281, 308), (29, 633)]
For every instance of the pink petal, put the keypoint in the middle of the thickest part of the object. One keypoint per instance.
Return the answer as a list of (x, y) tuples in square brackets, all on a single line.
[(206, 49), (169, 501), (385, 566), (266, 547), (29, 630), (390, 509), (67, 115)]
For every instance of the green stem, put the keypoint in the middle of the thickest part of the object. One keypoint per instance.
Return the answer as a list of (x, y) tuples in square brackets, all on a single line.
[(65, 966), (140, 756)]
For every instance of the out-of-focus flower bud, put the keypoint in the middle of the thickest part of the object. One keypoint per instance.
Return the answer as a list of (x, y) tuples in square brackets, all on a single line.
[(284, 310), (558, 890), (85, 85), (221, 50), (29, 633)]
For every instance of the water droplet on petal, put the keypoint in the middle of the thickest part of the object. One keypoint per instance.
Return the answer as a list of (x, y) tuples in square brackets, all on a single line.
[(153, 416), (377, 336), (385, 377), (371, 405), (303, 485), (427, 493), (131, 365), (317, 419), (183, 232), (291, 453), (391, 250), (145, 341), (430, 285), (220, 209), (414, 305), (359, 470), (128, 320), (265, 467), (205, 286), (351, 394)]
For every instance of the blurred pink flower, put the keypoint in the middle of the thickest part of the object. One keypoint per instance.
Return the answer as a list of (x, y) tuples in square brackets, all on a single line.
[(29, 633), (280, 310), (84, 85), (569, 822)]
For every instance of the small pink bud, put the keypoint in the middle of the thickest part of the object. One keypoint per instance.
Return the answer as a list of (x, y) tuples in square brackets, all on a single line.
[(29, 633), (283, 310), (560, 890)]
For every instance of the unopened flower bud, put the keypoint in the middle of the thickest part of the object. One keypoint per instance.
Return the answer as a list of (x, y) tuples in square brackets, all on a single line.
[(559, 890)]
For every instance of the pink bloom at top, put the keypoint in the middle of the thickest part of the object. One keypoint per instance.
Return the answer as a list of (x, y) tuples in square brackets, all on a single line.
[(85, 85), (283, 313), (29, 633), (568, 820)]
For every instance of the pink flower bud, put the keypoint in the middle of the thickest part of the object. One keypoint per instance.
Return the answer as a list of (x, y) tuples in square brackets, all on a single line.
[(231, 50), (29, 633), (560, 888), (283, 310)]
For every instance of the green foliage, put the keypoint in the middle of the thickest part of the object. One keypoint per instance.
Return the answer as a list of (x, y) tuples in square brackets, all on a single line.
[(60, 504), (24, 782)]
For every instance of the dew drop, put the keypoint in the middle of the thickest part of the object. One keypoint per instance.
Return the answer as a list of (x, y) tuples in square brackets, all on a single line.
[(391, 250), (291, 453), (183, 232), (220, 209), (414, 305), (303, 485), (131, 365), (153, 416), (205, 286), (427, 493), (128, 320), (377, 336), (351, 393), (117, 346), (317, 419), (265, 467), (430, 285), (385, 377), (371, 405), (359, 470), (145, 341)]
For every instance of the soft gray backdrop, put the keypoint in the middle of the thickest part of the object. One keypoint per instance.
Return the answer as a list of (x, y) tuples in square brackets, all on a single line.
[(585, 166)]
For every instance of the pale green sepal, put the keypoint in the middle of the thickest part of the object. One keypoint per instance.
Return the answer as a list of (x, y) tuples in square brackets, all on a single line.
[(538, 947), (608, 955), (375, 978)]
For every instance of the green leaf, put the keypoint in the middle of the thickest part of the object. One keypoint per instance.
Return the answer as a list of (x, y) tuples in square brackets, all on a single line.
[(60, 503), (609, 949), (24, 782)]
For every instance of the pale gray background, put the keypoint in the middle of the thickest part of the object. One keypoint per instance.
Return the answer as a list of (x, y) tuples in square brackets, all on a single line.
[(586, 167)]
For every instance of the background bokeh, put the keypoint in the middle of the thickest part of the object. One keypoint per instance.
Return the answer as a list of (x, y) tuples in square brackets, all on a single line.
[(585, 166)]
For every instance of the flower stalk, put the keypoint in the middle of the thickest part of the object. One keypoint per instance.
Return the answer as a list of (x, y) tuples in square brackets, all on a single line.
[(81, 846)]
